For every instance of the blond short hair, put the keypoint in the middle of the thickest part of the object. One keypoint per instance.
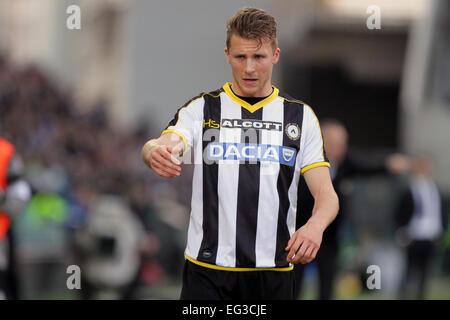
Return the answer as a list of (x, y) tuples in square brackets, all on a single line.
[(253, 24)]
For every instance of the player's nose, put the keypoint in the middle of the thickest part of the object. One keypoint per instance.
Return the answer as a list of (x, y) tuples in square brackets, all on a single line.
[(249, 67)]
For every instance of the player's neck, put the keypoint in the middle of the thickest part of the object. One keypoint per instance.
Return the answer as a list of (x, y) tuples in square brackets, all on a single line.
[(267, 91)]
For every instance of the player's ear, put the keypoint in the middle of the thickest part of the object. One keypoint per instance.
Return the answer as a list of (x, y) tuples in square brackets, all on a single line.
[(276, 55), (228, 55)]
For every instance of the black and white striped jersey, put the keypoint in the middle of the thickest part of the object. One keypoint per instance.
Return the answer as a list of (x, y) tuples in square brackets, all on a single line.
[(248, 160)]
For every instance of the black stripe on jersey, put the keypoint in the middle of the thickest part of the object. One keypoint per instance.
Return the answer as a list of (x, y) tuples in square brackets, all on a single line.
[(248, 197), (208, 247), (175, 117), (293, 113)]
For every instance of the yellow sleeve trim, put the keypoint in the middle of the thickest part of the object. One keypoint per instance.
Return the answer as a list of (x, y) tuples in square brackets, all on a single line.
[(315, 165), (213, 266), (181, 136)]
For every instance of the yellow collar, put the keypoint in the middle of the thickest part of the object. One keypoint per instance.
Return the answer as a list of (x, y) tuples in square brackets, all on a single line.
[(245, 104)]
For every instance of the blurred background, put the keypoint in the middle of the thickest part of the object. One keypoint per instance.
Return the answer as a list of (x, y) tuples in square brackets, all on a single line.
[(78, 105)]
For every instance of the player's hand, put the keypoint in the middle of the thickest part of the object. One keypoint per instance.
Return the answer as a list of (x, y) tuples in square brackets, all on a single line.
[(163, 161), (304, 244)]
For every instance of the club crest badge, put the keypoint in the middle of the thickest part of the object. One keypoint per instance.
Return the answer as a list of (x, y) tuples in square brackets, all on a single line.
[(288, 154), (292, 130)]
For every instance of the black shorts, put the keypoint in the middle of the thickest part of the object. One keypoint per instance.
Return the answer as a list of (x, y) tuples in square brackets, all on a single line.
[(202, 283)]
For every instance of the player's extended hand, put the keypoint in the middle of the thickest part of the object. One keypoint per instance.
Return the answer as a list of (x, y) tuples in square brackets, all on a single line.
[(304, 244), (163, 161)]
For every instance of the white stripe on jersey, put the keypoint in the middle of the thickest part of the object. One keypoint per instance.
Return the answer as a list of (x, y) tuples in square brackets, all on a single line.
[(228, 180), (266, 232), (195, 229)]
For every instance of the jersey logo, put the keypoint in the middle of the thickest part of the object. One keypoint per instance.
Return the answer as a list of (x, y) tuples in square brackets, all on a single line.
[(292, 130), (249, 123), (288, 154), (251, 152), (210, 123)]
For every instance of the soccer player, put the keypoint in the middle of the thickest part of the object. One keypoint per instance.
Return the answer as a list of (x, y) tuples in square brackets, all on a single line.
[(250, 144)]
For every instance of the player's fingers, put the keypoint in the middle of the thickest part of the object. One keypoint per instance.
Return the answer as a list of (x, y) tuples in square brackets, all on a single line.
[(307, 257), (167, 170), (176, 151), (300, 255), (302, 250), (310, 256), (294, 248), (314, 252), (175, 160), (165, 174), (291, 252), (291, 241), (157, 157), (304, 253), (161, 172), (166, 153), (160, 160), (309, 253)]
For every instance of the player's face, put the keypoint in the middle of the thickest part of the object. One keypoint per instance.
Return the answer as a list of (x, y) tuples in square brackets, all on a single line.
[(251, 64)]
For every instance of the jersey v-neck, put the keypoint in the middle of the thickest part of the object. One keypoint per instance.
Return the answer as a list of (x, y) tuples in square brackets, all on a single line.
[(250, 103), (251, 100)]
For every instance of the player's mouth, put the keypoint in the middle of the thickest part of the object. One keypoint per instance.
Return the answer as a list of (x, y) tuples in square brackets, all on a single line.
[(250, 81)]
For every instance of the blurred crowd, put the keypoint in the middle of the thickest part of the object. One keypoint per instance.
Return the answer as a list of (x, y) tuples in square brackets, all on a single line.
[(80, 158), (48, 132), (96, 205)]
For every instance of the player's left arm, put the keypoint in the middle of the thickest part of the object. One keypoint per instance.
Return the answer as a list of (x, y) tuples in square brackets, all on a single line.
[(305, 242)]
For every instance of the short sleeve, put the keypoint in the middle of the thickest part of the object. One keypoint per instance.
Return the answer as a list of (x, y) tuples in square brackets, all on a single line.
[(186, 121), (312, 148)]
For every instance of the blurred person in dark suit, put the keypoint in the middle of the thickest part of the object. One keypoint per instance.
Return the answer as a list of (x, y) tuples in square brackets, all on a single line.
[(420, 221), (344, 164)]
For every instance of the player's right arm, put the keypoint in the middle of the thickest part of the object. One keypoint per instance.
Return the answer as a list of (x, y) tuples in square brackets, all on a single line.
[(161, 154)]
